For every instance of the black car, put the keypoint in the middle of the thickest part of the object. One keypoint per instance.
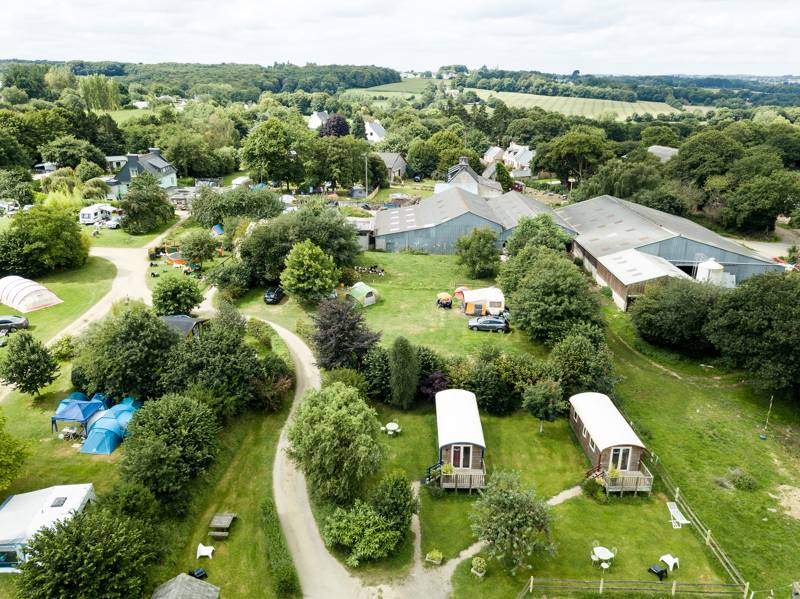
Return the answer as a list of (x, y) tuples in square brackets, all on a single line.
[(12, 323), (496, 324), (273, 295)]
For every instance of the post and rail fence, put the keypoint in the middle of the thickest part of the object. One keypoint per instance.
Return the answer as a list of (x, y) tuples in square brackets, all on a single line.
[(602, 586)]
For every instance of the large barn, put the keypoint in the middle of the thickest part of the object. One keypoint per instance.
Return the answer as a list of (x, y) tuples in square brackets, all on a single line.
[(628, 246), (435, 224)]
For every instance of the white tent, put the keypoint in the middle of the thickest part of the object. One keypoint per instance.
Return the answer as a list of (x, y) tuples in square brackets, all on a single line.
[(23, 515), (487, 300), (457, 418), (25, 295)]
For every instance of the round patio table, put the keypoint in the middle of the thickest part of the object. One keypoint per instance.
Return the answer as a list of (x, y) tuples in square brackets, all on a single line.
[(392, 427), (603, 553)]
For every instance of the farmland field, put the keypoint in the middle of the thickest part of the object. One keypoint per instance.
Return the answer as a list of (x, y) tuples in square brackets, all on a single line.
[(588, 107), (411, 86)]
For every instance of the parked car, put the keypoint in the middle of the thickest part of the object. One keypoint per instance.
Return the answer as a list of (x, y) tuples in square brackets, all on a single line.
[(12, 323), (496, 324), (273, 295), (113, 224)]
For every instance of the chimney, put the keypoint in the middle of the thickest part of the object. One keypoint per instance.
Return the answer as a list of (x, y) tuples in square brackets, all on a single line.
[(463, 161), (156, 151)]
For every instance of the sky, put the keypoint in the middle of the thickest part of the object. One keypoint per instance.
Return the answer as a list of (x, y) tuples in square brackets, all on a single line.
[(596, 36)]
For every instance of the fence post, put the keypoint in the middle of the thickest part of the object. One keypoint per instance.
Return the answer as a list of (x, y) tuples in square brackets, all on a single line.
[(531, 585), (674, 586), (602, 583), (677, 493), (708, 537), (746, 588)]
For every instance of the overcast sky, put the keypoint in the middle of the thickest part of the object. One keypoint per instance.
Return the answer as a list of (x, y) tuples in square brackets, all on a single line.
[(595, 36)]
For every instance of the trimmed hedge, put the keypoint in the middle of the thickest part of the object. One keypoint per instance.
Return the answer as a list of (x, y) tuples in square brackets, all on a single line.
[(285, 581)]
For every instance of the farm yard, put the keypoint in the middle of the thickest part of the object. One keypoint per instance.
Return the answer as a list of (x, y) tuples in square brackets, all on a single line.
[(586, 107)]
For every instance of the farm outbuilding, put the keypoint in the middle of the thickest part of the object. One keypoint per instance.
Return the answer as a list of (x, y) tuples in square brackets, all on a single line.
[(23, 515), (460, 440), (435, 224), (184, 586), (363, 294), (618, 240), (608, 440), (25, 295)]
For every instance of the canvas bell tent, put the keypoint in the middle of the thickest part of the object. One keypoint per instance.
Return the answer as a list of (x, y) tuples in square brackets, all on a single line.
[(25, 295), (23, 515)]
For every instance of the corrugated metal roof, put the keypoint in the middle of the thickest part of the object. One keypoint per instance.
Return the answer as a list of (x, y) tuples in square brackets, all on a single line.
[(607, 225), (632, 266), (512, 206)]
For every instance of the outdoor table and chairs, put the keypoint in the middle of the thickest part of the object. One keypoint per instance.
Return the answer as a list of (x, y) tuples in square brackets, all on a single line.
[(602, 556), (220, 525), (392, 429)]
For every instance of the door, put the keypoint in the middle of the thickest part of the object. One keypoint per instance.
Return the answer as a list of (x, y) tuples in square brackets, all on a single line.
[(620, 458), (462, 456)]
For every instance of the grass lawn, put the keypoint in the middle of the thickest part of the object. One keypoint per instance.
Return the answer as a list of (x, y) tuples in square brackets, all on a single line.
[(117, 238), (702, 425), (407, 305), (588, 107), (123, 116), (79, 289), (639, 529)]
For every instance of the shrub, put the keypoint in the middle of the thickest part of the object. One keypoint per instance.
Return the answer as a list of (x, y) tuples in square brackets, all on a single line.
[(377, 374), (434, 555), (304, 330), (131, 500), (270, 389), (478, 252), (393, 499), (341, 336), (362, 530), (232, 278), (582, 366), (479, 564), (429, 361), (742, 480), (64, 349), (285, 582), (404, 374), (593, 488), (176, 295), (492, 393), (431, 384), (346, 376), (261, 332)]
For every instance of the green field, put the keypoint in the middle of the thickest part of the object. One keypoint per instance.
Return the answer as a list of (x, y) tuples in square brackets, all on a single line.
[(588, 107), (79, 290), (413, 86), (123, 116)]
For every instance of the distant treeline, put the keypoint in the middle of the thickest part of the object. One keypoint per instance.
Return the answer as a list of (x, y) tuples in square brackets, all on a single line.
[(735, 92), (244, 81)]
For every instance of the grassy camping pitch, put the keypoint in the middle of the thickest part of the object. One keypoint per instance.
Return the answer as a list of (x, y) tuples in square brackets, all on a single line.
[(117, 238)]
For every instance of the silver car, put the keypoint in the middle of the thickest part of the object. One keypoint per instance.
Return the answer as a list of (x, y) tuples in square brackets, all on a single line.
[(496, 324), (12, 323)]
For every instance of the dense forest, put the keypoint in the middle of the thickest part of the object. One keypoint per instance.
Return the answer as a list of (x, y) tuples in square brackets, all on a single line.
[(676, 90), (238, 82)]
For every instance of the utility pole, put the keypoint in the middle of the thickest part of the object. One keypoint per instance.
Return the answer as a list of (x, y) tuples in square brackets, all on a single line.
[(366, 173)]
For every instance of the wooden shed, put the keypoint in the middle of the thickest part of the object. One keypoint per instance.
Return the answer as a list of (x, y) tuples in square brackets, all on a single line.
[(461, 445), (611, 445)]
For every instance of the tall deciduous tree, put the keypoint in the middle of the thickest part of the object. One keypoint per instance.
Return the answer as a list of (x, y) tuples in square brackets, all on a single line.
[(582, 365), (544, 400), (341, 338), (336, 125), (575, 154), (68, 150), (404, 373), (176, 295), (705, 154), (334, 441), (310, 273), (197, 246), (99, 92), (269, 155), (511, 520), (539, 231), (146, 206), (478, 252), (27, 365)]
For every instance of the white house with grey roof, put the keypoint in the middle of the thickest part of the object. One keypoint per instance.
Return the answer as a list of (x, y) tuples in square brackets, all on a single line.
[(136, 164), (435, 224), (627, 246), (462, 176), (317, 119), (395, 164), (375, 131)]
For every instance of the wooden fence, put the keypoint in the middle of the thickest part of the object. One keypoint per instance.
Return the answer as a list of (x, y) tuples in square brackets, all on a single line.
[(670, 589)]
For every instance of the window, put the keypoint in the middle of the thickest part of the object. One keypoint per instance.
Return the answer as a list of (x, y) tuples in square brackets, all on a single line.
[(620, 458), (584, 432), (58, 502), (592, 446), (462, 456), (574, 415)]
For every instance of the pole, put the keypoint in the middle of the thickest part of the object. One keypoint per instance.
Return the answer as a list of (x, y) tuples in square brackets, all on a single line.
[(366, 173), (769, 412)]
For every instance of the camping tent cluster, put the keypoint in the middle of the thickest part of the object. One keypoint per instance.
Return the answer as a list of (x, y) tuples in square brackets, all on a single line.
[(107, 431), (25, 295), (480, 302), (23, 515), (78, 408)]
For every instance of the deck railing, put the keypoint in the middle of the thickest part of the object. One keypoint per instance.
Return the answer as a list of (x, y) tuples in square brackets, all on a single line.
[(642, 480), (473, 479)]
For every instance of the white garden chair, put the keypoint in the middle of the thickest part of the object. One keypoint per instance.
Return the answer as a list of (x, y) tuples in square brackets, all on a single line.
[(671, 561), (205, 551)]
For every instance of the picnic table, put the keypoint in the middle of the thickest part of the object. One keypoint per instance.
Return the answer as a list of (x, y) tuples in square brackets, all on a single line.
[(220, 525), (603, 554), (392, 427)]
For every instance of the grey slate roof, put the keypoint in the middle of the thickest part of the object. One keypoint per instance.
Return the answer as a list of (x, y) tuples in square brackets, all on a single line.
[(184, 586), (505, 210), (390, 158), (490, 171), (607, 225), (466, 168), (182, 323), (152, 163), (663, 153)]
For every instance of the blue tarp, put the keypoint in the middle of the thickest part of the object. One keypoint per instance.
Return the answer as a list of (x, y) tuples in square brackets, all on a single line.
[(107, 432), (217, 230), (78, 396), (75, 410)]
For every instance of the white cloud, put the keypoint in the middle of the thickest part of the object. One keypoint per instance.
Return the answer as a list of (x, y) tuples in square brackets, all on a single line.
[(612, 36)]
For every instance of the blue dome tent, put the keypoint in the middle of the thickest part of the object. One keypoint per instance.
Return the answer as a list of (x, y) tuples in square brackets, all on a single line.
[(108, 431), (75, 410)]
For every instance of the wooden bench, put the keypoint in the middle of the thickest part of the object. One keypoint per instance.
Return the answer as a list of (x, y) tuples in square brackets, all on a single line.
[(217, 534)]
